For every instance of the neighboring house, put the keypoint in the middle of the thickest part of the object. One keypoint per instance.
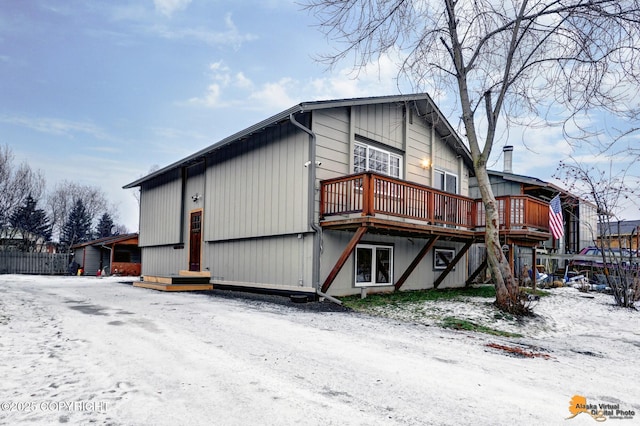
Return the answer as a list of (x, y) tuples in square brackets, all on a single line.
[(12, 239), (328, 197), (117, 255), (621, 234), (580, 217)]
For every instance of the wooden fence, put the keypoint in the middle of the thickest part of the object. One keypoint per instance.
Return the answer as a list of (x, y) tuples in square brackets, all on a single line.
[(14, 262)]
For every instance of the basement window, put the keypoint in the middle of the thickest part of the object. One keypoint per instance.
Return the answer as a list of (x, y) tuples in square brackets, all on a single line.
[(374, 265)]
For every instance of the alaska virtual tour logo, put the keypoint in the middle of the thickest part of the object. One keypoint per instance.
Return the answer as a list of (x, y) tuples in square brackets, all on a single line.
[(600, 412)]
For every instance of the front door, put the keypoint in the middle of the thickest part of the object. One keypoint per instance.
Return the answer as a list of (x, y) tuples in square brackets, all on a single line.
[(195, 240)]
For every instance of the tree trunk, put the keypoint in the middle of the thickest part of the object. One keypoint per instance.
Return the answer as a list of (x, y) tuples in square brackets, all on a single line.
[(507, 292)]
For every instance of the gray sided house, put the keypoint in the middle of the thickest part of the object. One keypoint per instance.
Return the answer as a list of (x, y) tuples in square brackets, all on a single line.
[(326, 197), (580, 217), (117, 255)]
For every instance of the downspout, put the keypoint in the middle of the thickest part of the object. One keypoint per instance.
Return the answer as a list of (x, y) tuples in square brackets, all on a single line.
[(183, 192), (317, 236), (110, 258)]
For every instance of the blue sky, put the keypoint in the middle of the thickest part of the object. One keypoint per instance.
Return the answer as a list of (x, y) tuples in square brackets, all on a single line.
[(99, 92)]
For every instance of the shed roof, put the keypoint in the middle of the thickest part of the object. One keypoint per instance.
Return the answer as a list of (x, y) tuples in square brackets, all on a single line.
[(623, 227), (550, 190), (422, 103), (114, 239)]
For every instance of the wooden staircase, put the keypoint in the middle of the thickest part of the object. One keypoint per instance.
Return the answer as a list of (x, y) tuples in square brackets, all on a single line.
[(184, 281)]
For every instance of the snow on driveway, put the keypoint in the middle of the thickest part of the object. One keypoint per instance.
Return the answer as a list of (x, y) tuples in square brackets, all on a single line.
[(94, 351)]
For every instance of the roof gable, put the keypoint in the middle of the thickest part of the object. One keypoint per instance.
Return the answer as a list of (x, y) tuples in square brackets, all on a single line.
[(422, 104)]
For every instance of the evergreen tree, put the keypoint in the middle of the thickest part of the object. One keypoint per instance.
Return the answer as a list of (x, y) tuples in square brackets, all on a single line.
[(31, 222), (105, 226), (77, 228)]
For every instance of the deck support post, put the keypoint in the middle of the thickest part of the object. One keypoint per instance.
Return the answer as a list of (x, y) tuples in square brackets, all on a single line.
[(343, 258), (416, 261), (473, 276), (452, 264)]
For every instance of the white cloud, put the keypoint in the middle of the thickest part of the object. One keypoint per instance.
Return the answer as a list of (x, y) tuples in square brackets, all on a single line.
[(169, 7), (231, 36), (234, 88), (275, 96), (211, 98), (56, 126), (242, 81), (222, 78)]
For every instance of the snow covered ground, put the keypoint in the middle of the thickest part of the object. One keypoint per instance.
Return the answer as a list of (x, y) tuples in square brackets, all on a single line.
[(83, 350)]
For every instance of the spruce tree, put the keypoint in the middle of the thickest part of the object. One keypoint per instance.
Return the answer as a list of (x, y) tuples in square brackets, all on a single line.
[(105, 226), (32, 223), (77, 228)]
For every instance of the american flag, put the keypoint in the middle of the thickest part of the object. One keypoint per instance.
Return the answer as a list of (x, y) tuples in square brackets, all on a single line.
[(556, 222)]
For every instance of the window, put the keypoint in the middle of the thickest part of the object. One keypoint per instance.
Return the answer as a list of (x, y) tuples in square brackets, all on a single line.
[(445, 181), (367, 158), (446, 209), (374, 265), (121, 256), (442, 258)]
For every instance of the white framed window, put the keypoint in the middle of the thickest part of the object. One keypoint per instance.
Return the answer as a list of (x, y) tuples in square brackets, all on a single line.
[(373, 265), (367, 158), (445, 181)]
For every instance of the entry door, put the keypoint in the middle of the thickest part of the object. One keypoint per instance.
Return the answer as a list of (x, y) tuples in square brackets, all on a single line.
[(195, 240)]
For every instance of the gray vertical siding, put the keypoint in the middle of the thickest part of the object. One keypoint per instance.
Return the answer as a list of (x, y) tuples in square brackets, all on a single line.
[(165, 260), (404, 251), (89, 258), (333, 144), (260, 188), (500, 187), (588, 227), (419, 147), (254, 201), (383, 123), (279, 260), (160, 204), (386, 125)]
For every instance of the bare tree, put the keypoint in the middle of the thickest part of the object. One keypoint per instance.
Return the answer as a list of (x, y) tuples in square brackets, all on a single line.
[(607, 190), (64, 196), (17, 183), (120, 229), (136, 191), (507, 62)]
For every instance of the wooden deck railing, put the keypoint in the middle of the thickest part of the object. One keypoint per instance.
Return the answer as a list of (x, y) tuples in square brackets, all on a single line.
[(371, 193), (517, 212)]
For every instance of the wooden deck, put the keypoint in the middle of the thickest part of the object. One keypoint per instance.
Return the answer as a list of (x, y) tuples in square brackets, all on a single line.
[(403, 207), (183, 282)]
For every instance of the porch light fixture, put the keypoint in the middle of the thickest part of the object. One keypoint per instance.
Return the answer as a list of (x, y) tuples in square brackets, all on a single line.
[(425, 163), (196, 197)]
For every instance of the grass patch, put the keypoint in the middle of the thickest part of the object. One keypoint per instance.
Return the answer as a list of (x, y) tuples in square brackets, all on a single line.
[(461, 324), (403, 297), (536, 292)]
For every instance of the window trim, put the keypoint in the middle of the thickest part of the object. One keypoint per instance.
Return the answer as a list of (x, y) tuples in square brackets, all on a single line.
[(445, 173), (390, 154), (447, 252), (374, 272)]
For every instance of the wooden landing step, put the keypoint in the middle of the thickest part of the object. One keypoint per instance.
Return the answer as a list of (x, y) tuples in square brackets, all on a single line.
[(175, 283)]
